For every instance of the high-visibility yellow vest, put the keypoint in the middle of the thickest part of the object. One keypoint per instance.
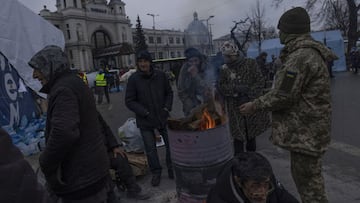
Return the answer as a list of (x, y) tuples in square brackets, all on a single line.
[(100, 80), (83, 77)]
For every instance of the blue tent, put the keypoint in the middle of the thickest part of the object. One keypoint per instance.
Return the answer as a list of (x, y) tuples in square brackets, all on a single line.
[(332, 38)]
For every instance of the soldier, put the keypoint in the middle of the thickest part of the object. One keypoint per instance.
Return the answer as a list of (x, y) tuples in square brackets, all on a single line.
[(240, 79), (300, 103)]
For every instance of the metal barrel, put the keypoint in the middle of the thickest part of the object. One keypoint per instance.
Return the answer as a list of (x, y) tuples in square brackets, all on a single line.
[(198, 157)]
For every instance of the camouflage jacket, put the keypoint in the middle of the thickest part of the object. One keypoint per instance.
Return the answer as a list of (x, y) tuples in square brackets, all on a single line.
[(240, 81), (300, 99)]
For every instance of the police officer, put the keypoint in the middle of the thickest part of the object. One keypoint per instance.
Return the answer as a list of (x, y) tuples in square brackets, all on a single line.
[(101, 86), (300, 103)]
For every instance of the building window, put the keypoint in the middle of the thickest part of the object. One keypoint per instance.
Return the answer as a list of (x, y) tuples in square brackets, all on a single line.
[(172, 54), (151, 40), (178, 40), (158, 40), (75, 3), (58, 26), (64, 3), (120, 9), (100, 40), (71, 55), (152, 55), (161, 55), (178, 54), (68, 31), (171, 40), (124, 35)]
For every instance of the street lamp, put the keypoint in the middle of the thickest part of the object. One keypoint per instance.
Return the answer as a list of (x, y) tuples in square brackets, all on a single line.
[(209, 33), (153, 16)]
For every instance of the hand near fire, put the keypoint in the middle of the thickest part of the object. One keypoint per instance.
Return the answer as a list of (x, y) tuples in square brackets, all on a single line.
[(119, 151), (247, 108), (193, 70)]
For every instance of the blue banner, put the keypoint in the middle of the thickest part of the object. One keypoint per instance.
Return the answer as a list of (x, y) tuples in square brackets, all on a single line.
[(16, 100)]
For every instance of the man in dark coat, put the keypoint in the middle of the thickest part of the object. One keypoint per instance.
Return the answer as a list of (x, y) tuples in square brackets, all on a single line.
[(248, 178), (18, 182), (149, 96), (74, 161)]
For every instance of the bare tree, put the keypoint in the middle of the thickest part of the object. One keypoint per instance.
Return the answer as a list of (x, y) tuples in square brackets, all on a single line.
[(340, 14), (258, 23), (244, 28)]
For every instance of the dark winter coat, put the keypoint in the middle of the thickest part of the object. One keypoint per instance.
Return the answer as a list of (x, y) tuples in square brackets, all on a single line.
[(18, 182), (227, 191), (74, 161), (147, 96)]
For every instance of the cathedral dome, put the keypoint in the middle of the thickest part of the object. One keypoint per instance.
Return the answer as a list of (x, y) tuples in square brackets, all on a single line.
[(197, 26)]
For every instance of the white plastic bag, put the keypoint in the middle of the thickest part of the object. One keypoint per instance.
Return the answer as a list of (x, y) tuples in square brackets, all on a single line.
[(130, 136)]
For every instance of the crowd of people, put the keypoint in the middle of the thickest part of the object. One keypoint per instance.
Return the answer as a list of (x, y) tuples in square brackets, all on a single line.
[(80, 147)]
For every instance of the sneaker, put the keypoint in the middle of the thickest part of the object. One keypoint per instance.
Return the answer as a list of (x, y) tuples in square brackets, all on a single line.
[(171, 174), (155, 181), (138, 195)]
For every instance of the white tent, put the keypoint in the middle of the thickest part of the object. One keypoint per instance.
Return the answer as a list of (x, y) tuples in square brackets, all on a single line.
[(333, 39), (22, 34)]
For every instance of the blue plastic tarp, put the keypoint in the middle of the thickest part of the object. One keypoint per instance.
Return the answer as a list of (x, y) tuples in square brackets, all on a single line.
[(333, 39)]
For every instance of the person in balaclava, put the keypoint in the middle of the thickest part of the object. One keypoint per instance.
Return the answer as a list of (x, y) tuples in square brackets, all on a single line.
[(300, 103), (241, 80), (248, 178), (74, 161), (149, 96)]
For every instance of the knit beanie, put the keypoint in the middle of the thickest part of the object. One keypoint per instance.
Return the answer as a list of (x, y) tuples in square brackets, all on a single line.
[(143, 54), (295, 21), (229, 49), (192, 52)]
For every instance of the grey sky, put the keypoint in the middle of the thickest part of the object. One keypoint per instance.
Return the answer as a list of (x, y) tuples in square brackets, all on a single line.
[(177, 14)]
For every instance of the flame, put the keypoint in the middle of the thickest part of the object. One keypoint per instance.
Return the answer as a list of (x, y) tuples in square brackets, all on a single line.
[(207, 121)]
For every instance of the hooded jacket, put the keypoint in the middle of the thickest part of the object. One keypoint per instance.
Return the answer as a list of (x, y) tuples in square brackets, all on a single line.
[(300, 100), (74, 161), (227, 191), (18, 182)]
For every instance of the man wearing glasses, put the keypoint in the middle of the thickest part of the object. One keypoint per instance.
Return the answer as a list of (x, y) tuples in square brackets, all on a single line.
[(248, 179)]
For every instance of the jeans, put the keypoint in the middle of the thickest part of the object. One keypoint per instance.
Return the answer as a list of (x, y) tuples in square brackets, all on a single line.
[(151, 150)]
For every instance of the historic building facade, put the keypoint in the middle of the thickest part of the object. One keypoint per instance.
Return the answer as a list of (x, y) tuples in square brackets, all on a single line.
[(163, 44), (97, 34)]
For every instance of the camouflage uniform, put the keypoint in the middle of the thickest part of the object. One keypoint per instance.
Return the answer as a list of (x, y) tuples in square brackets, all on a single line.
[(233, 78), (301, 111)]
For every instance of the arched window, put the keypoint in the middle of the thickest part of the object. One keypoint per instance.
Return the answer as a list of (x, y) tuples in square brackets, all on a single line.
[(100, 40)]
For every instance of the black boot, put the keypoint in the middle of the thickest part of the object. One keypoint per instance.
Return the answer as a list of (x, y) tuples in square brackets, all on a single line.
[(171, 174), (155, 181)]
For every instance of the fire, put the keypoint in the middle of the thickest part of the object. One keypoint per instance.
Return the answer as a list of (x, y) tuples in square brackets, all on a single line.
[(207, 121)]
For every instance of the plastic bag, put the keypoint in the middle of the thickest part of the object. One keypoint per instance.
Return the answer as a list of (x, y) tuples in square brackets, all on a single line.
[(130, 136)]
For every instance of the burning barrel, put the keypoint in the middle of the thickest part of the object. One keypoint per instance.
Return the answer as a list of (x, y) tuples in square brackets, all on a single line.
[(198, 154)]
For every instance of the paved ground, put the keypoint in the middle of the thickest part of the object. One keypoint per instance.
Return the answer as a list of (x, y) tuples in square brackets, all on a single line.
[(341, 162)]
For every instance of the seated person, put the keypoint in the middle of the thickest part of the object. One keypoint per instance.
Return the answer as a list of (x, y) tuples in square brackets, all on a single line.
[(18, 182), (120, 163), (248, 178)]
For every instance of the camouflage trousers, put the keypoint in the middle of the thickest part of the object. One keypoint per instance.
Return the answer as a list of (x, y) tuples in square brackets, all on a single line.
[(306, 172)]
